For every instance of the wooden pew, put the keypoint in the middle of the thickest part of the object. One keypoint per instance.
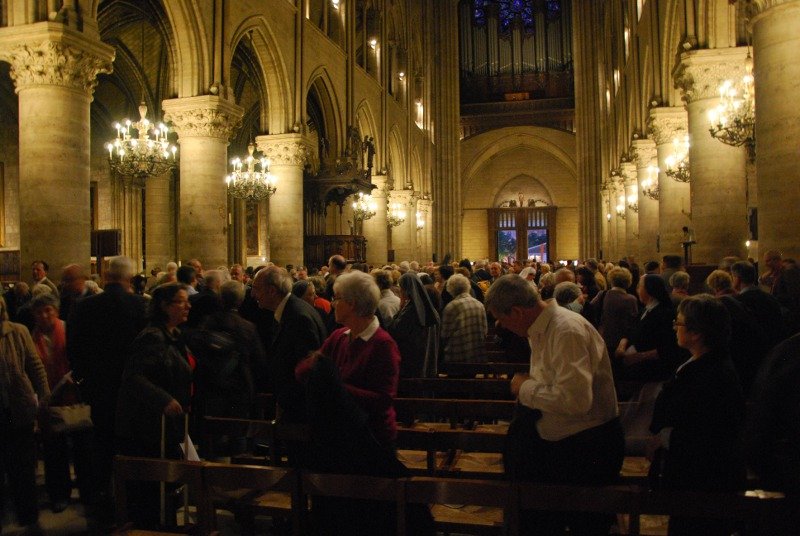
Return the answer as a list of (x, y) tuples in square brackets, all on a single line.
[(445, 451), (269, 435), (132, 469), (465, 388), (454, 410), (490, 368)]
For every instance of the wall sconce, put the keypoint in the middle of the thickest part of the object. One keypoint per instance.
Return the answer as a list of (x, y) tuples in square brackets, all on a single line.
[(373, 43), (633, 203), (608, 216), (621, 207), (335, 4), (401, 75)]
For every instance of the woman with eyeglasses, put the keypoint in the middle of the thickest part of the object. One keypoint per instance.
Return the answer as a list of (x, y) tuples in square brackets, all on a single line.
[(156, 384), (699, 414)]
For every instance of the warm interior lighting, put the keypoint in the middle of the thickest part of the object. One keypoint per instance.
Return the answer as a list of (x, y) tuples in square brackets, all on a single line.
[(373, 43)]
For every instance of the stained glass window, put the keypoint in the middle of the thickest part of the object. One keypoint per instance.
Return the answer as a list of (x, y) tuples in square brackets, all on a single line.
[(553, 9), (511, 10), (479, 12)]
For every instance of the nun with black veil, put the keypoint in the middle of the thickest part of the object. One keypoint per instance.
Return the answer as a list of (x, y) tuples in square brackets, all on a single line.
[(415, 329)]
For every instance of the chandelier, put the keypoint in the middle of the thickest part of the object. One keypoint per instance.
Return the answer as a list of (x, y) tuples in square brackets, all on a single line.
[(633, 203), (678, 162), (363, 207), (420, 221), (733, 119), (146, 154), (248, 183), (621, 207), (395, 215), (650, 186)]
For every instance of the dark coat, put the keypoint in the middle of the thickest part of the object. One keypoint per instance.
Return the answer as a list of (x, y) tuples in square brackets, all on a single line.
[(300, 332), (705, 407), (767, 311), (204, 303), (654, 332), (100, 331)]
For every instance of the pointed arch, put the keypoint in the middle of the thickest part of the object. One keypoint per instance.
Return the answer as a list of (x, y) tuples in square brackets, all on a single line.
[(420, 181), (365, 121), (192, 73), (276, 104), (398, 164), (321, 87), (674, 31)]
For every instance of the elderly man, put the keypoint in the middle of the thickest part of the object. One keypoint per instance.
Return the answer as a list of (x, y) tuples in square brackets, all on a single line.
[(207, 301), (566, 428), (298, 330), (464, 324), (100, 331), (73, 288), (39, 271), (237, 273)]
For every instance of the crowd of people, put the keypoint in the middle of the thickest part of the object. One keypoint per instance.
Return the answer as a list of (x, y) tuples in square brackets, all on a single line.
[(332, 342)]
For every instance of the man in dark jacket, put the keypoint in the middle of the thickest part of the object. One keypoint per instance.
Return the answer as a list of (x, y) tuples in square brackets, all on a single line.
[(99, 333)]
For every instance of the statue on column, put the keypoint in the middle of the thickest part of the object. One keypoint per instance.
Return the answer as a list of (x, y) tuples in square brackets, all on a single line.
[(369, 148), (354, 147)]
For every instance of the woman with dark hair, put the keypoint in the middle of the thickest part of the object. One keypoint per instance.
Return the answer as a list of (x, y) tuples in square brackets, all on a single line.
[(698, 415), (585, 279), (156, 384), (650, 352), (415, 329), (306, 290)]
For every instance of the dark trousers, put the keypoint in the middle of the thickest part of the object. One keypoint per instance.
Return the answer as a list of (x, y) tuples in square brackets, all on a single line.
[(18, 461), (56, 452), (592, 457)]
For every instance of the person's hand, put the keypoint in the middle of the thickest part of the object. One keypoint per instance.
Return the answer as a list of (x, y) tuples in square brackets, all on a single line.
[(173, 407), (517, 381), (621, 347), (653, 444)]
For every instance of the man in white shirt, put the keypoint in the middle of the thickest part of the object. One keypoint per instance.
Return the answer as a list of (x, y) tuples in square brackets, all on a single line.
[(565, 429)]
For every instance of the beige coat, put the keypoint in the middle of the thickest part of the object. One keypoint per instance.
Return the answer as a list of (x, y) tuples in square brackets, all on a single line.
[(22, 375)]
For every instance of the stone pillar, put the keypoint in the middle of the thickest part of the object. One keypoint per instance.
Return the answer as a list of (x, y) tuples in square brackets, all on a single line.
[(404, 236), (777, 71), (158, 216), (375, 230), (645, 151), (674, 205), (621, 245), (446, 142), (605, 225), (423, 240), (631, 189), (204, 125), (287, 154), (54, 70), (719, 198)]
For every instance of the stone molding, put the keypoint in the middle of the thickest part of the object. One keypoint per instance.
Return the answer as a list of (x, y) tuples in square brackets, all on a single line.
[(424, 205), (54, 63), (285, 149), (629, 176), (404, 197), (700, 72), (380, 191), (205, 116), (644, 152), (664, 124), (763, 5)]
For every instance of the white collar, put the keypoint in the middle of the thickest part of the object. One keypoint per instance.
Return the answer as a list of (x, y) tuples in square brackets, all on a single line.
[(369, 331), (281, 306)]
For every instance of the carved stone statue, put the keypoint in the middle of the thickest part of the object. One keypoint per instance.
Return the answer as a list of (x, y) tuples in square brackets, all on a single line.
[(369, 148)]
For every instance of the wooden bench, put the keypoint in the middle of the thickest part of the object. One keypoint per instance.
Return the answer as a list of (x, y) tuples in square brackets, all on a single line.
[(491, 368), (269, 436), (453, 410), (464, 388)]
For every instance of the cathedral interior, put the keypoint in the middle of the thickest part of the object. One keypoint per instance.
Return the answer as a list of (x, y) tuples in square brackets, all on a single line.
[(390, 130)]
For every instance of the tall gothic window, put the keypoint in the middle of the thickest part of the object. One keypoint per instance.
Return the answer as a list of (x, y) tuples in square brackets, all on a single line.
[(516, 10)]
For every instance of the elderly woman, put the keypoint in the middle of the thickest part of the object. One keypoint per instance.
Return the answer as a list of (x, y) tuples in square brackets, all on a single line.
[(464, 324), (415, 329), (649, 353), (720, 283), (569, 295), (699, 413), (616, 310), (679, 281), (49, 336), (23, 386)]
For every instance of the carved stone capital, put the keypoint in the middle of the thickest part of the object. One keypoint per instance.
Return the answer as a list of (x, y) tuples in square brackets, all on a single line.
[(55, 57), (644, 151), (285, 149), (666, 123), (404, 197), (761, 6), (205, 116), (381, 190), (424, 205), (629, 175), (700, 72)]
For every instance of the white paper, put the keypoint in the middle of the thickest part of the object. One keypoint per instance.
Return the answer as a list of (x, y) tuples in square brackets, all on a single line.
[(631, 350)]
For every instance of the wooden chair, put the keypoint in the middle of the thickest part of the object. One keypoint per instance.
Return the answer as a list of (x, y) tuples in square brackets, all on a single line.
[(465, 506), (455, 410), (268, 436), (249, 490), (447, 451), (186, 473)]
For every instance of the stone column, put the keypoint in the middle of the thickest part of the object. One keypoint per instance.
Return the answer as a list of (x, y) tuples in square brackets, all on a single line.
[(375, 230), (621, 246), (645, 151), (631, 189), (447, 143), (719, 199), (674, 205), (777, 71), (159, 229), (287, 154), (204, 125), (54, 70), (423, 241), (404, 236), (605, 225)]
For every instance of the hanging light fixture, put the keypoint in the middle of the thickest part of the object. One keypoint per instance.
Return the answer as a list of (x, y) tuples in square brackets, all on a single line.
[(678, 162), (650, 186), (363, 207), (621, 207), (420, 221), (396, 215), (247, 182), (733, 120), (141, 148), (633, 203)]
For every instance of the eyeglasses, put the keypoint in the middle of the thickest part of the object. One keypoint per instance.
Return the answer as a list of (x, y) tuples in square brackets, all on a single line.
[(675, 324)]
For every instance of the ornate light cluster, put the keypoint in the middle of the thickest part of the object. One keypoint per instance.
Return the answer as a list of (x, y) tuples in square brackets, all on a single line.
[(420, 221), (678, 162), (363, 207), (650, 186), (621, 207), (396, 215), (633, 203), (247, 182), (147, 154), (734, 118)]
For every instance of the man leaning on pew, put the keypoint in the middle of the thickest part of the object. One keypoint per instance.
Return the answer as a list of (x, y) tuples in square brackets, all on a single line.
[(565, 428)]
